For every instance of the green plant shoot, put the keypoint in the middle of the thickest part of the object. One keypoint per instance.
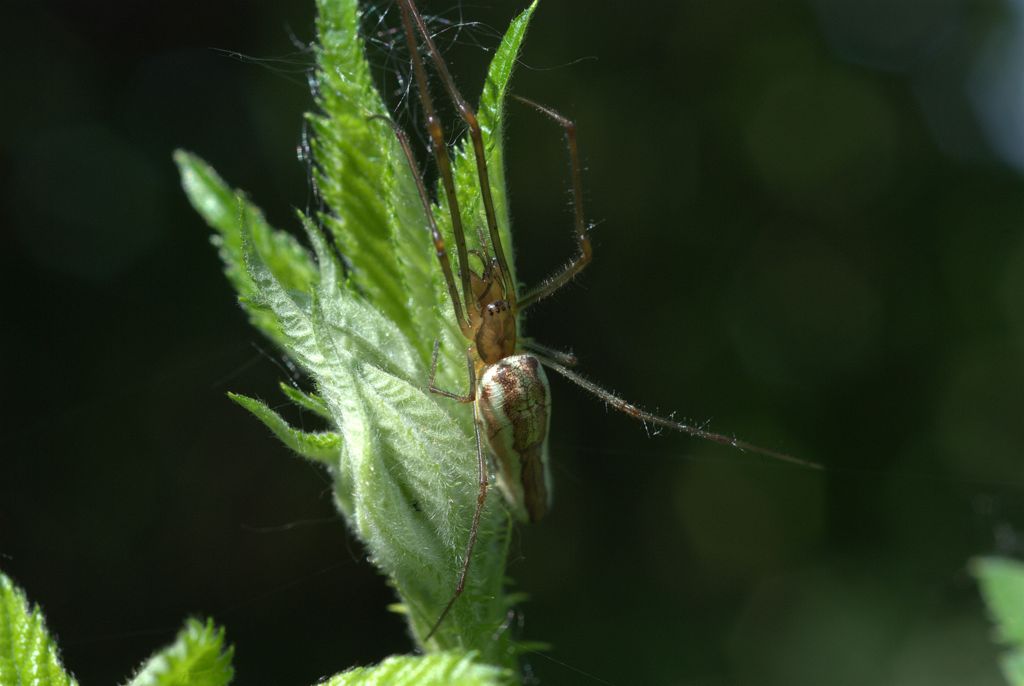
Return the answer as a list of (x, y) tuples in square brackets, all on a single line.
[(402, 460)]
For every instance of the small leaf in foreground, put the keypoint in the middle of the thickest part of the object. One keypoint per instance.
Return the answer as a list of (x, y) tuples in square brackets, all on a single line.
[(437, 669), (28, 654), (1002, 586), (322, 446), (196, 658)]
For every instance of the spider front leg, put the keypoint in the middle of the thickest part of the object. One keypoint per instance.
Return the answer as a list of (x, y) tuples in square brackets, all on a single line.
[(559, 279), (411, 18), (481, 473), (439, 246)]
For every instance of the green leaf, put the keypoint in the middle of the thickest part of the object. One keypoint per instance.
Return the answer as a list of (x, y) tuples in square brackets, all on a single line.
[(354, 325), (1013, 667), (27, 653), (1002, 586), (196, 658), (323, 447), (406, 470), (307, 401), (438, 669), (288, 310), (229, 213), (357, 164)]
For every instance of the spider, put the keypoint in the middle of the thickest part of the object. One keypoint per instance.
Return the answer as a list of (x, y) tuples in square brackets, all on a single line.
[(507, 384)]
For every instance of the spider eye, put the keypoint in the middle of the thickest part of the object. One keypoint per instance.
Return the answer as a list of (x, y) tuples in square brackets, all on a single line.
[(496, 307)]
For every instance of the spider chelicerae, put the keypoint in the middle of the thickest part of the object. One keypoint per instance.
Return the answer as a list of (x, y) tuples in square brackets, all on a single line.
[(507, 384)]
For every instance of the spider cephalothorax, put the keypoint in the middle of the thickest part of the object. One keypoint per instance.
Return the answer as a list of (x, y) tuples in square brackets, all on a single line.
[(493, 319)]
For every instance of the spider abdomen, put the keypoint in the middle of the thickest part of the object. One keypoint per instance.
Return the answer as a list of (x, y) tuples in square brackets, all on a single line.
[(513, 404)]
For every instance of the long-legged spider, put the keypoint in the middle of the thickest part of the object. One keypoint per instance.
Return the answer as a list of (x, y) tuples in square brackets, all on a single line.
[(507, 384)]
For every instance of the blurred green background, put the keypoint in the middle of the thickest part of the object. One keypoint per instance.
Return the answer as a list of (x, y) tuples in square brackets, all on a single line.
[(808, 231)]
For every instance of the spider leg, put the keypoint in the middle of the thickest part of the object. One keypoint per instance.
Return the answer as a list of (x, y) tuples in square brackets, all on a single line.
[(435, 234), (438, 147), (410, 16), (474, 529), (657, 420), (559, 279), (568, 359), (448, 394)]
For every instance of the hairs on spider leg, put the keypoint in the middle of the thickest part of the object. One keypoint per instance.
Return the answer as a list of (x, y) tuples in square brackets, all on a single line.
[(567, 358), (697, 431)]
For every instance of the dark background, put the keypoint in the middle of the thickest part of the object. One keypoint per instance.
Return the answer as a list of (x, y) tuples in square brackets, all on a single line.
[(808, 231)]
